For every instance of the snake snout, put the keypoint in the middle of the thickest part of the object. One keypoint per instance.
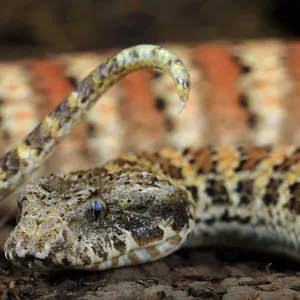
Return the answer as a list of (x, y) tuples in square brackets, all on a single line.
[(27, 253), (40, 249)]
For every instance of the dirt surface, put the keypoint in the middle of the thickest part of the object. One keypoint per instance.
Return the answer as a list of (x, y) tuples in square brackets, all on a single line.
[(227, 275)]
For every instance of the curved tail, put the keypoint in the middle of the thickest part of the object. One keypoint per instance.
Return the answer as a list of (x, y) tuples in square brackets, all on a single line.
[(26, 157)]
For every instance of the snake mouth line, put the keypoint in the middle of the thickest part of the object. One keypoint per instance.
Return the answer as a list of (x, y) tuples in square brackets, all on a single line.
[(142, 255), (133, 257)]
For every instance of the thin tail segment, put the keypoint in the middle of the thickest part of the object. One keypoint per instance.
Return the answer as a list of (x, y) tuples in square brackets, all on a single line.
[(26, 157)]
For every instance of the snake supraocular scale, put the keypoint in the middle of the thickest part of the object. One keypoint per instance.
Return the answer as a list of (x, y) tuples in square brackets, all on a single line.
[(144, 206)]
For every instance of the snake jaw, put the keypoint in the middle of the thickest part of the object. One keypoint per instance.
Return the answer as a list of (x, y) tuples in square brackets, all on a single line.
[(53, 260), (50, 258), (146, 254)]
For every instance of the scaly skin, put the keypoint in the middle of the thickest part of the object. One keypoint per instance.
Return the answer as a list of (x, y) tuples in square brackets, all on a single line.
[(144, 217), (144, 206), (17, 164), (245, 197), (23, 159), (245, 106)]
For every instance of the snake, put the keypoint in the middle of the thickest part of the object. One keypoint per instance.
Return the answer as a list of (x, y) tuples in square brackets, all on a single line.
[(143, 206)]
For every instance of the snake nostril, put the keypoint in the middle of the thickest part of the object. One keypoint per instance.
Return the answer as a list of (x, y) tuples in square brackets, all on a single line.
[(65, 235)]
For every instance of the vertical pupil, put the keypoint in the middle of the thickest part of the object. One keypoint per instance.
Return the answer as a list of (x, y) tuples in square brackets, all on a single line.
[(97, 209)]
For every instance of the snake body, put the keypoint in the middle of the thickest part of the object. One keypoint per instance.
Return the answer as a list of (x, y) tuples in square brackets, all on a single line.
[(144, 206)]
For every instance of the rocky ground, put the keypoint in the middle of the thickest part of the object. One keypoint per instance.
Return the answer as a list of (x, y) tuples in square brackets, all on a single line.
[(227, 275)]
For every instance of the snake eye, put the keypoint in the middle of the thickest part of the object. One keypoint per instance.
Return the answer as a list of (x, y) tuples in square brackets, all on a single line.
[(99, 209)]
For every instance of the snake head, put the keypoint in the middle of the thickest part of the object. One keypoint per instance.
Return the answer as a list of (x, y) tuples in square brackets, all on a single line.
[(99, 219)]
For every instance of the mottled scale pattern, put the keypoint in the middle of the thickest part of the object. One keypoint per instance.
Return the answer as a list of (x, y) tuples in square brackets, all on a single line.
[(245, 196), (157, 202), (143, 206), (27, 156), (256, 102)]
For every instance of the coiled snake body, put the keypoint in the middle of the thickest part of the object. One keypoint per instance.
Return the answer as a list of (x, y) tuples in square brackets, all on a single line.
[(144, 206)]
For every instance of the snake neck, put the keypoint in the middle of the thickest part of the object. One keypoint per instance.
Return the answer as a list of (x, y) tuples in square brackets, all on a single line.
[(247, 197)]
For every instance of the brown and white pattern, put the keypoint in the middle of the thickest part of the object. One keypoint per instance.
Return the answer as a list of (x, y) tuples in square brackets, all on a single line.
[(242, 93), (33, 238), (144, 206)]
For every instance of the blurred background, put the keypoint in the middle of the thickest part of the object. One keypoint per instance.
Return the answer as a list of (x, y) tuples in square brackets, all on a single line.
[(32, 27), (243, 56)]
